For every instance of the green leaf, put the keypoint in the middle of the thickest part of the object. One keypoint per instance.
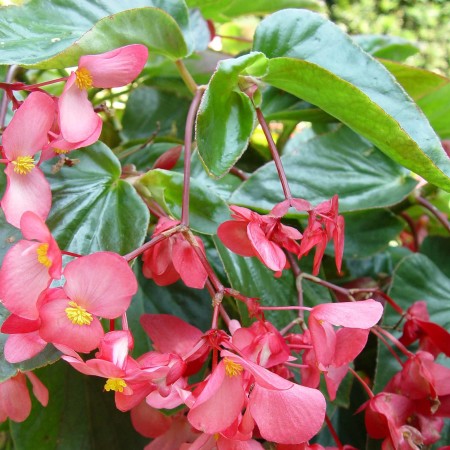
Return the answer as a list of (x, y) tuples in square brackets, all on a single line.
[(226, 115), (79, 415), (207, 210), (55, 33), (415, 278), (93, 209), (151, 111), (7, 370), (314, 60), (389, 47), (340, 162), (437, 248), (223, 10), (369, 232)]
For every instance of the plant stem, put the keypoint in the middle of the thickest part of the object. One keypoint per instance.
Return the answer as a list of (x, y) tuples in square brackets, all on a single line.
[(363, 383), (186, 76), (5, 99), (393, 339), (187, 154), (333, 432), (388, 346), (288, 128), (275, 155), (298, 281), (438, 214), (239, 173), (412, 227)]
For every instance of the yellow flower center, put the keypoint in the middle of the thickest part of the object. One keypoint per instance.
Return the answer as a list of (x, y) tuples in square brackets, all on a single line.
[(78, 315), (115, 384), (23, 165), (42, 255), (232, 368), (83, 78)]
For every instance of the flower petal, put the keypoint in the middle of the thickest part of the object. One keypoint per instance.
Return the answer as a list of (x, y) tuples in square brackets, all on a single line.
[(39, 390), (15, 401), (20, 347), (233, 234)]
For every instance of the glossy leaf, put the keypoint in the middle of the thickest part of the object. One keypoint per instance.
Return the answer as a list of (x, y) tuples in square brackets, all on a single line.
[(93, 209), (437, 248), (207, 210), (226, 115), (314, 60), (387, 47), (54, 34), (415, 278), (340, 162), (79, 415)]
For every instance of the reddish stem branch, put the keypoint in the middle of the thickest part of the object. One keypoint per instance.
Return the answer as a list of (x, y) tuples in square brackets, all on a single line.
[(333, 432), (438, 214), (5, 99), (239, 173), (388, 346), (187, 154), (298, 281), (412, 227), (275, 155), (363, 383), (393, 339)]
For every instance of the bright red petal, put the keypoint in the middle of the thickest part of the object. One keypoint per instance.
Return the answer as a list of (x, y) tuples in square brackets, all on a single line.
[(233, 235)]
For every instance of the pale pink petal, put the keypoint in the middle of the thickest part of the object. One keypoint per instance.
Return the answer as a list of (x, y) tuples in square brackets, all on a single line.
[(233, 235), (22, 279), (362, 314), (30, 192), (102, 283), (188, 265), (15, 401), (290, 416), (268, 252), (78, 120), (27, 132), (105, 369), (39, 390), (117, 67), (114, 347), (125, 402), (149, 421), (333, 378), (219, 404), (20, 347), (323, 338), (58, 328), (170, 334), (349, 344)]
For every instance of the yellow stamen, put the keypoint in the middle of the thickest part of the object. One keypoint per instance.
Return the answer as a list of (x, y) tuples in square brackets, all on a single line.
[(115, 384), (78, 315), (83, 78), (60, 151), (42, 255), (232, 368), (23, 165)]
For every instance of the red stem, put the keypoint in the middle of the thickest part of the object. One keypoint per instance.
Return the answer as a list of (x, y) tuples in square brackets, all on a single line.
[(187, 154), (412, 227), (298, 282), (333, 432), (388, 346), (75, 255), (275, 155), (438, 214), (393, 339), (363, 383)]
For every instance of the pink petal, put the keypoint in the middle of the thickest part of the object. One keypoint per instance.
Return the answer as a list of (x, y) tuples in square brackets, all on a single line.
[(22, 279), (78, 119), (30, 192), (323, 338), (290, 416), (188, 264), (20, 347), (170, 334), (58, 328), (103, 369), (149, 421), (114, 347), (219, 404), (15, 401), (349, 344), (102, 283), (39, 390), (333, 378), (117, 67), (233, 235), (362, 314), (15, 325), (267, 251), (27, 132)]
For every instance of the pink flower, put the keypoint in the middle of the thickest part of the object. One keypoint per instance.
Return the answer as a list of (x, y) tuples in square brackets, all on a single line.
[(29, 267), (15, 401), (121, 66), (265, 237), (174, 258), (100, 284), (26, 187)]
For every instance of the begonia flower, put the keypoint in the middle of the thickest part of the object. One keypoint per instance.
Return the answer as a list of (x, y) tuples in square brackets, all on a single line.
[(26, 186), (174, 258), (15, 402), (29, 267), (78, 120), (97, 285), (265, 237)]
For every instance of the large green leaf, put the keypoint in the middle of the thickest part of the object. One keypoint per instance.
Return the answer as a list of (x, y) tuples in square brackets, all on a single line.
[(388, 47), (340, 162), (93, 209), (314, 60), (55, 33), (79, 415), (207, 210), (226, 115), (415, 278)]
